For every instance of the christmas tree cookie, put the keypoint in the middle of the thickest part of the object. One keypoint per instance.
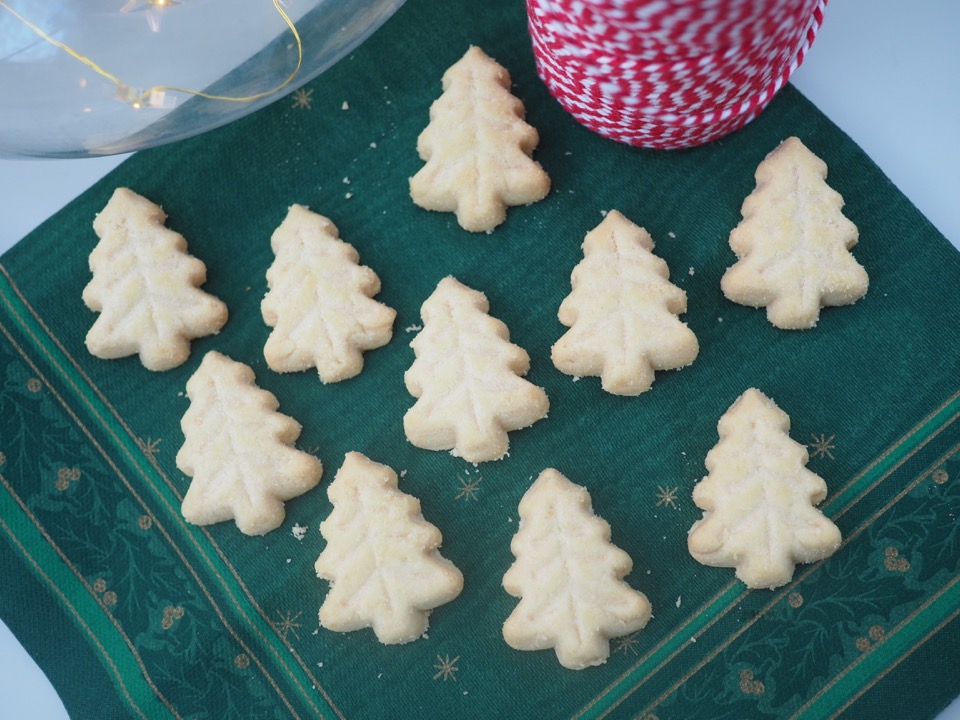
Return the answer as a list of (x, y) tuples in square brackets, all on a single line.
[(569, 577), (794, 242), (146, 287), (381, 558), (759, 499), (622, 313), (467, 378), (320, 301), (477, 148), (239, 450)]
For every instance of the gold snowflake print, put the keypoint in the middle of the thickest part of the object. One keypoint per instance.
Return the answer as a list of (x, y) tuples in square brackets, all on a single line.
[(446, 668), (301, 99), (287, 624), (667, 496), (626, 644), (149, 447), (821, 446), (468, 489)]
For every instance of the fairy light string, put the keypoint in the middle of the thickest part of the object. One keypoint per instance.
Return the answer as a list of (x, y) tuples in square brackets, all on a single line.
[(139, 98)]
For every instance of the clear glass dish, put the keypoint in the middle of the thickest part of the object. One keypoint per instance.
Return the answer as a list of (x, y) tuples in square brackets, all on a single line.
[(81, 78)]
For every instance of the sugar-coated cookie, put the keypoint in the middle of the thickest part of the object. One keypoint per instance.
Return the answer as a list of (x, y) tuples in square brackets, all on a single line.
[(239, 451), (794, 242), (146, 287), (477, 148), (320, 301), (381, 558), (759, 499), (467, 378), (569, 577), (622, 313)]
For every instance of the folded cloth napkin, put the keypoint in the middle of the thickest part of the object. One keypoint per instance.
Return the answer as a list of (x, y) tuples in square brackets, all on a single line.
[(132, 612)]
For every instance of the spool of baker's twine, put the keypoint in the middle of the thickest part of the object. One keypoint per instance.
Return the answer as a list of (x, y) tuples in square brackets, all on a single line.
[(669, 74)]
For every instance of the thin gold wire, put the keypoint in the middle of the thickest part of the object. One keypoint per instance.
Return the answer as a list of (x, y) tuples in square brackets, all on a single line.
[(137, 99)]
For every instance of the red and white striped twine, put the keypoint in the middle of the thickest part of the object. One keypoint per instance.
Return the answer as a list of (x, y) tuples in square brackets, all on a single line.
[(669, 74)]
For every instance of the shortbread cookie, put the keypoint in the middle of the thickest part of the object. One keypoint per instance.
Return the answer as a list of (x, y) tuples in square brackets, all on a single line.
[(622, 313), (239, 450), (146, 287), (759, 498), (467, 376), (381, 557), (320, 301), (569, 577), (793, 242), (477, 148)]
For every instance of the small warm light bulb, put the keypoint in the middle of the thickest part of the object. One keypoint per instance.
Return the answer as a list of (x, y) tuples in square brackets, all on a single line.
[(133, 97)]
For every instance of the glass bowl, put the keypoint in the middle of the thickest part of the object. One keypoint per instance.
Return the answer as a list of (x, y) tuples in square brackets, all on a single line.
[(82, 78)]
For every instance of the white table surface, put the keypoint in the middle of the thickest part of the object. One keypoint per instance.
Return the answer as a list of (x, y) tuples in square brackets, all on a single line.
[(885, 71)]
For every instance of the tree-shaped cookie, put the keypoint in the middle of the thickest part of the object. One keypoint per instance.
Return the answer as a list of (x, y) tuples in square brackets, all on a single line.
[(759, 498), (793, 242), (320, 301), (381, 557), (477, 148), (622, 313), (146, 287), (569, 577), (239, 450), (467, 376)]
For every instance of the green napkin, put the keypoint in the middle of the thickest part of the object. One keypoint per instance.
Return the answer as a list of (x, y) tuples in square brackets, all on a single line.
[(134, 613)]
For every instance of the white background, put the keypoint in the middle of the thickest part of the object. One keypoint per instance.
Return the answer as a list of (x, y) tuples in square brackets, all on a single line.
[(887, 72)]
